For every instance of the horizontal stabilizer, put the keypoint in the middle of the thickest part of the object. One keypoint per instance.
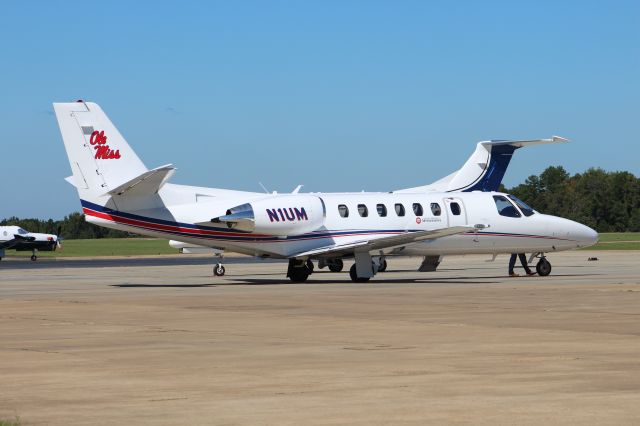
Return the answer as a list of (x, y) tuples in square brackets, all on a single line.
[(148, 183), (407, 237)]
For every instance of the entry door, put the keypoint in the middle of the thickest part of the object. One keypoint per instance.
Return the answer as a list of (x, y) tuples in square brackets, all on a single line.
[(455, 211)]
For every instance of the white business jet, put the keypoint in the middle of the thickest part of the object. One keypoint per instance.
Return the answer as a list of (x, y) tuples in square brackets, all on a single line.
[(118, 191), (16, 238)]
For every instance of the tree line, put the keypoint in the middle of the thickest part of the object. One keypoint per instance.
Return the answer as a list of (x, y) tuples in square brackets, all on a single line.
[(72, 226), (605, 201)]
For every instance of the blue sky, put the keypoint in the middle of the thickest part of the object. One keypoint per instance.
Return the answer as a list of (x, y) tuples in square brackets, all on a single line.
[(335, 95)]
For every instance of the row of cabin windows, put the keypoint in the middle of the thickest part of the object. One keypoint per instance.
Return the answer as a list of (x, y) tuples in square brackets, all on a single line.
[(363, 211)]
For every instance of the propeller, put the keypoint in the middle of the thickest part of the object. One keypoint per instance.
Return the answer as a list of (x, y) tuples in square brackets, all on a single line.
[(58, 239)]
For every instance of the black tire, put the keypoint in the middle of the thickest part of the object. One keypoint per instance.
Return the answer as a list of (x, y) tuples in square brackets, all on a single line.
[(336, 265), (34, 257), (299, 275), (383, 266), (219, 270), (354, 276), (543, 268)]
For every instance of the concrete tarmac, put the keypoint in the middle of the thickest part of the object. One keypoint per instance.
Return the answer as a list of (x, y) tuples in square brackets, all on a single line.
[(127, 342)]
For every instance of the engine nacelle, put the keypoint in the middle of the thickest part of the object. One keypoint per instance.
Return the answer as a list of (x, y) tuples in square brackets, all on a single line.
[(280, 215)]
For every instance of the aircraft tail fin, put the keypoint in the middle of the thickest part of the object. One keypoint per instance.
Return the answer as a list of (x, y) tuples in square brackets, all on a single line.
[(485, 168), (101, 159)]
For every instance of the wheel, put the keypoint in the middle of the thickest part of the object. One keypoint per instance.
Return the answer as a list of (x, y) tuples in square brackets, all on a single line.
[(219, 270), (336, 265), (354, 276), (383, 266), (543, 267), (34, 257), (299, 275)]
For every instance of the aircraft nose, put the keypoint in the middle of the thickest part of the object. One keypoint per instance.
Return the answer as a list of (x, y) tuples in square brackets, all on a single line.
[(584, 235)]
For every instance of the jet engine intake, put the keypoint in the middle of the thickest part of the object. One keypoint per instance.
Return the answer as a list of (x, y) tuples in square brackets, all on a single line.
[(283, 215)]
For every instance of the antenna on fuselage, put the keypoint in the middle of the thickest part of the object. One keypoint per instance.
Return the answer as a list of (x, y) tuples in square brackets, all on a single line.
[(266, 191)]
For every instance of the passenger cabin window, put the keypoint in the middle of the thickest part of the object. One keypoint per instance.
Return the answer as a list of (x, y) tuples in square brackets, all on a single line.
[(524, 207), (362, 210), (417, 209), (505, 208), (382, 210), (455, 209), (343, 210), (435, 209), (399, 209)]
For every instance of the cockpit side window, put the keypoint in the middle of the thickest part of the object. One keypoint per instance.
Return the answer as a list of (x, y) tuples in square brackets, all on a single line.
[(524, 207), (22, 231), (505, 208)]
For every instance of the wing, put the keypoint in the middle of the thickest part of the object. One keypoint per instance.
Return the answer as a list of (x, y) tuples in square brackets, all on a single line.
[(16, 239), (8, 243), (405, 238)]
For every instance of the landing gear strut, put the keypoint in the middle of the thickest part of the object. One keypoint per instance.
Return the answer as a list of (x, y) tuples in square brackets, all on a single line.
[(218, 269), (34, 255)]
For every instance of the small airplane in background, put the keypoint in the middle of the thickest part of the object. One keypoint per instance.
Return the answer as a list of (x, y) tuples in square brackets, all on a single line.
[(16, 238), (459, 214)]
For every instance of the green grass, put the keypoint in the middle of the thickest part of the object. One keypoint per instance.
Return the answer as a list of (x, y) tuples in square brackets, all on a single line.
[(617, 241), (106, 247), (14, 422), (150, 246)]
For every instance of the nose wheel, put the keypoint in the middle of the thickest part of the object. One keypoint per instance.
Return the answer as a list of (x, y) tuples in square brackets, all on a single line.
[(219, 270), (543, 268)]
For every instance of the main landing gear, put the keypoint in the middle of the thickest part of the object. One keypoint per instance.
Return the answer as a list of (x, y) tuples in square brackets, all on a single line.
[(34, 255), (543, 267), (335, 265), (299, 270)]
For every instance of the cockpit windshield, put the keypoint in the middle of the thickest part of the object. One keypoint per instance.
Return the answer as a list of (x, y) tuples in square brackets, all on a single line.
[(22, 231), (526, 210), (505, 208)]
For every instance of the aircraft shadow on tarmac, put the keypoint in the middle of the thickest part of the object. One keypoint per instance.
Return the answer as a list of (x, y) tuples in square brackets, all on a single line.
[(239, 280), (164, 285)]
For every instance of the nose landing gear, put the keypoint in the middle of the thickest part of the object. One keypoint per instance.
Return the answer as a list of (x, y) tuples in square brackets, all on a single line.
[(218, 268), (543, 267)]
